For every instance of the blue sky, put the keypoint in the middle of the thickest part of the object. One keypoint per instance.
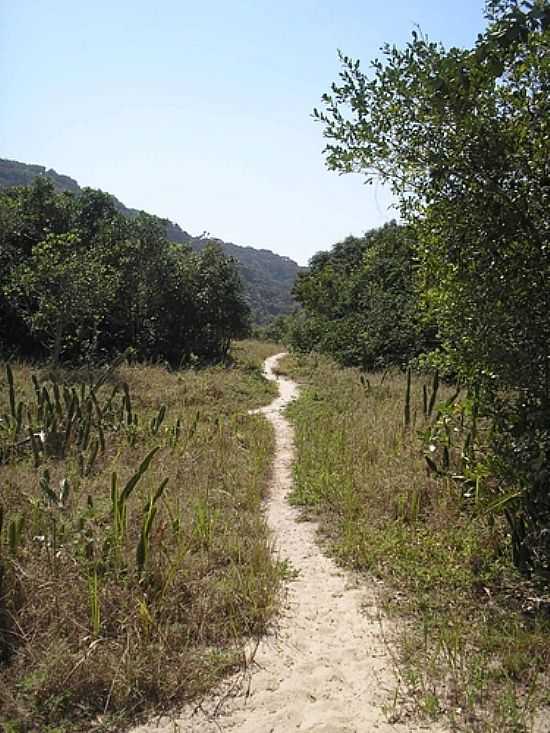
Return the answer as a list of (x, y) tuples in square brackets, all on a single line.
[(200, 111)]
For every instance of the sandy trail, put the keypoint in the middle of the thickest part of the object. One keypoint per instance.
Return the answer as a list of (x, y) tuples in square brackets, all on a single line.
[(327, 670)]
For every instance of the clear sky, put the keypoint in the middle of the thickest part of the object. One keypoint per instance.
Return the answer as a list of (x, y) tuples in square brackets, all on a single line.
[(201, 111)]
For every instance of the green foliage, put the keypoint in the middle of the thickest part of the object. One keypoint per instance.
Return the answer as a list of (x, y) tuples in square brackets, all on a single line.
[(473, 644), (462, 136), (278, 330), (80, 282), (360, 302), (64, 292), (267, 277)]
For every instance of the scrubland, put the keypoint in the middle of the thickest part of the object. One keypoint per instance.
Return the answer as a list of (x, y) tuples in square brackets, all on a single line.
[(134, 556), (389, 484)]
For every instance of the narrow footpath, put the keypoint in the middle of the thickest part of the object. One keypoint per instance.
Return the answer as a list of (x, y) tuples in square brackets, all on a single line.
[(327, 669)]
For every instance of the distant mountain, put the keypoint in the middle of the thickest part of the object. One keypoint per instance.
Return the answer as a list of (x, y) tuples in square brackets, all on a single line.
[(268, 277), (13, 173)]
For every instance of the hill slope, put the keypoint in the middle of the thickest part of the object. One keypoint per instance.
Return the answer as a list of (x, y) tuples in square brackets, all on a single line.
[(268, 277)]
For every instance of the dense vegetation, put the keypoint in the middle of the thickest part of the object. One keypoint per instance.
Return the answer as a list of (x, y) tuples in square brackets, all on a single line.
[(80, 282), (360, 302), (267, 277), (134, 556), (462, 136)]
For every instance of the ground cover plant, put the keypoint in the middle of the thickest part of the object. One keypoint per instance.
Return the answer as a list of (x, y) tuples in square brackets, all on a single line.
[(385, 461), (134, 557)]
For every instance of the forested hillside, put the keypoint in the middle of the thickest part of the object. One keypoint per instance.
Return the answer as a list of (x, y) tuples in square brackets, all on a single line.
[(13, 173), (80, 282), (268, 278)]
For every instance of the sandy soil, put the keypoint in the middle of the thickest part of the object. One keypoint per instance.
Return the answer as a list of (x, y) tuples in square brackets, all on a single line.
[(327, 669)]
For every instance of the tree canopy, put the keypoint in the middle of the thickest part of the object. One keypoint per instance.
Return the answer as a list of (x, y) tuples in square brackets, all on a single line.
[(80, 282), (462, 137), (360, 301)]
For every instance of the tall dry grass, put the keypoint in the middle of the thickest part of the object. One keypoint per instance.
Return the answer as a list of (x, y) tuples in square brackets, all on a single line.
[(125, 592), (474, 647)]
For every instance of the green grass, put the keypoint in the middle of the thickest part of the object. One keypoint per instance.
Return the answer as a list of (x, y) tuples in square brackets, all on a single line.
[(475, 644), (115, 604)]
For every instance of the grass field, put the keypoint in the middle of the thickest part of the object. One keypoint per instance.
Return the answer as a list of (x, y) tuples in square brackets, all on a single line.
[(475, 645), (134, 556)]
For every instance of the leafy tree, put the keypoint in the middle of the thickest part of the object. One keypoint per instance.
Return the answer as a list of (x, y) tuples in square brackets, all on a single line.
[(360, 302), (79, 281), (63, 292), (462, 137), (277, 330), (222, 308), (141, 255)]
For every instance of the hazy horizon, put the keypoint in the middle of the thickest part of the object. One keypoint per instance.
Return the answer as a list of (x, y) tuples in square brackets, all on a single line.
[(203, 114)]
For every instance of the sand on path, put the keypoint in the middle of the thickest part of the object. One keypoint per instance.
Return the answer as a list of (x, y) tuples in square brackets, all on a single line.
[(327, 669)]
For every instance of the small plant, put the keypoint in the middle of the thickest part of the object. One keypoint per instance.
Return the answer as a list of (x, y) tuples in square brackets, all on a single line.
[(157, 421), (142, 550), (95, 603)]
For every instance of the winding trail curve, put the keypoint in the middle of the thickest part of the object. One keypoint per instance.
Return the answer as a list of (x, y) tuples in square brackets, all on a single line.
[(327, 670)]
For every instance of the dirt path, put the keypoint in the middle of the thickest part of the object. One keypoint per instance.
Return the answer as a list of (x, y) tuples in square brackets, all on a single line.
[(327, 670)]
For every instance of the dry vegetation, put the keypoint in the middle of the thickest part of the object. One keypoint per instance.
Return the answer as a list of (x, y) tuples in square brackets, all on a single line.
[(134, 557), (475, 646)]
